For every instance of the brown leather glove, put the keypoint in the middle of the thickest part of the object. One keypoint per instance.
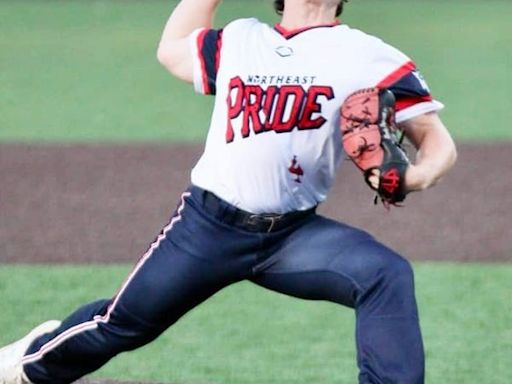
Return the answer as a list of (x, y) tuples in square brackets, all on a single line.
[(369, 135)]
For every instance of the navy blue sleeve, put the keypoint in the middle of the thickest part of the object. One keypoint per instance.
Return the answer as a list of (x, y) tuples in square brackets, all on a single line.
[(209, 45), (408, 86)]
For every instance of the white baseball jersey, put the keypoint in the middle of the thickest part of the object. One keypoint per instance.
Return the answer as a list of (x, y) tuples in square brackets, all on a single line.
[(274, 142)]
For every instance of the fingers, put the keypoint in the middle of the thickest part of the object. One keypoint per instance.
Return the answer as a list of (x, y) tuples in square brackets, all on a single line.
[(373, 179)]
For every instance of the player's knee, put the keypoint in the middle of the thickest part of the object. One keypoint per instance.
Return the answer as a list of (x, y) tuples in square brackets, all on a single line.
[(397, 275), (391, 290), (387, 267), (127, 332), (122, 338), (398, 268)]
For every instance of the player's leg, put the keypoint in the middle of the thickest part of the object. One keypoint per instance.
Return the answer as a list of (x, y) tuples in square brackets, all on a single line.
[(96, 332), (326, 260), (186, 264)]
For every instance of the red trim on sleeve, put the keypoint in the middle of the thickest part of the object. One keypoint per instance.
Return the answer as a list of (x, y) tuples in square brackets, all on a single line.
[(217, 54), (204, 75), (407, 102), (397, 74)]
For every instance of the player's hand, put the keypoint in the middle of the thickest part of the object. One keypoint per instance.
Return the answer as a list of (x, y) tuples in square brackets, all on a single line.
[(415, 179), (374, 179), (370, 140)]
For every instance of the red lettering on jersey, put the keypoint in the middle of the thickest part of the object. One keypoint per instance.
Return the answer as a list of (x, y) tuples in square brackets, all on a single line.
[(270, 97), (312, 106), (285, 94), (253, 100), (276, 108), (236, 85)]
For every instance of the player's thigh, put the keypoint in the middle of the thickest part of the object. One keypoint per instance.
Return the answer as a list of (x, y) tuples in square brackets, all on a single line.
[(164, 287), (181, 269), (328, 260)]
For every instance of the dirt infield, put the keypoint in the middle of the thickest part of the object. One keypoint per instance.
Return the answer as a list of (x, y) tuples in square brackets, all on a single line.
[(106, 203)]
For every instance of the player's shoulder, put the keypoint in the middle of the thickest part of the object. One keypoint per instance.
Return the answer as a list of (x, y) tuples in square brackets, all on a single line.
[(244, 32), (372, 45), (244, 24), (370, 57)]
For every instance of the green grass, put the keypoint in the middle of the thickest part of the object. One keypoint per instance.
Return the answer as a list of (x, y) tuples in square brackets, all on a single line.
[(245, 334), (86, 70)]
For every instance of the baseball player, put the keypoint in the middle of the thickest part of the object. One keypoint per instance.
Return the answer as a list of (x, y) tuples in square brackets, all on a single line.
[(274, 145)]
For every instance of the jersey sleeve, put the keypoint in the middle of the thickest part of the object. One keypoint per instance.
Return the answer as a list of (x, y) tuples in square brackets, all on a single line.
[(206, 46), (400, 75)]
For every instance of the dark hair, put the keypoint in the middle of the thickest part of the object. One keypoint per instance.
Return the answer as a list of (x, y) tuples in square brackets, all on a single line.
[(279, 6)]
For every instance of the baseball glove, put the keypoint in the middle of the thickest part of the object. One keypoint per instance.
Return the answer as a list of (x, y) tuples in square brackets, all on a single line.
[(370, 139)]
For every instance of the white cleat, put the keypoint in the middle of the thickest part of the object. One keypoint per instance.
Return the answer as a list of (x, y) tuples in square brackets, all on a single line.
[(11, 369)]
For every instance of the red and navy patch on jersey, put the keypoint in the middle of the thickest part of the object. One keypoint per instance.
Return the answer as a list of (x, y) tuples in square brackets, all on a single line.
[(209, 46), (407, 85)]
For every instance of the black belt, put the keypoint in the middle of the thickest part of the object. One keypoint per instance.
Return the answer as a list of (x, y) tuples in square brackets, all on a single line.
[(268, 222)]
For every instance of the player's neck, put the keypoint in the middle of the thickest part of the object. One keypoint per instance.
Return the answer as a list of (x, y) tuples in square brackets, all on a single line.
[(304, 13)]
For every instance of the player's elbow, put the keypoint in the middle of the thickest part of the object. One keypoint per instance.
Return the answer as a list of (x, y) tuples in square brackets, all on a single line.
[(451, 153), (176, 59), (164, 56)]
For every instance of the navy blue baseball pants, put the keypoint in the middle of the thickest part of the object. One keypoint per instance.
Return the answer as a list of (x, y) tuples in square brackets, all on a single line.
[(204, 249)]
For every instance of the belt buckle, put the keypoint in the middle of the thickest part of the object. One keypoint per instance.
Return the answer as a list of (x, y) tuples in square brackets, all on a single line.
[(272, 219)]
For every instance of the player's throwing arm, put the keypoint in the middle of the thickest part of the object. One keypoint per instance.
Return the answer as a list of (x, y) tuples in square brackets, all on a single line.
[(174, 51)]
